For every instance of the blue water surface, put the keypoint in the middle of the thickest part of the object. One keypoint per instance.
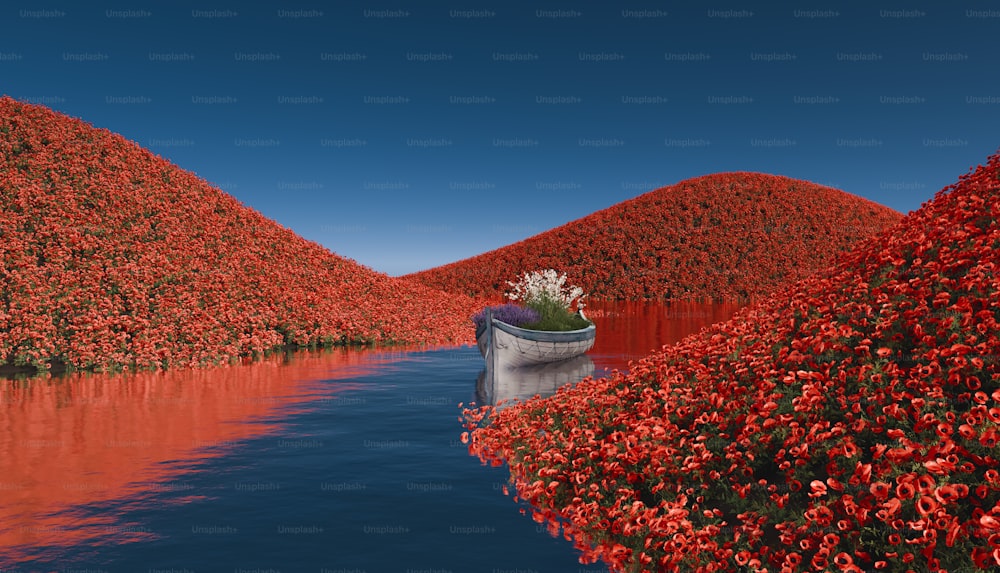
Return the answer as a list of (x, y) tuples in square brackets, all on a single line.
[(356, 468), (373, 479)]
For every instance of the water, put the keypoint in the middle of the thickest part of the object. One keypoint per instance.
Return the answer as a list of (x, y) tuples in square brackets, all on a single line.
[(335, 461)]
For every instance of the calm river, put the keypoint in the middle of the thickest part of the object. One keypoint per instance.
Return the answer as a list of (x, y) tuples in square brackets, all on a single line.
[(338, 461)]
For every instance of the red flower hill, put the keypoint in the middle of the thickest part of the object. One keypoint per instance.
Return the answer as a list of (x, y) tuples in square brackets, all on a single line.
[(111, 256), (849, 423), (728, 235)]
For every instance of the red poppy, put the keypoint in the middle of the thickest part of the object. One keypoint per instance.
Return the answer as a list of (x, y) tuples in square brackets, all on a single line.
[(954, 530), (994, 415), (843, 560), (948, 493), (926, 505), (982, 557), (967, 431), (817, 488), (989, 438), (905, 490), (880, 490), (990, 523)]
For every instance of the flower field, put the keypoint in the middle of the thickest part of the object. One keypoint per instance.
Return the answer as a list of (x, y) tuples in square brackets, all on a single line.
[(848, 422), (111, 257), (728, 235)]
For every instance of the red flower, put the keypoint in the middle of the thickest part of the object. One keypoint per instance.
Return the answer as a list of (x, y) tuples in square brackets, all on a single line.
[(989, 438), (990, 523), (905, 490), (949, 493), (967, 432), (926, 505), (818, 488), (880, 490), (842, 560)]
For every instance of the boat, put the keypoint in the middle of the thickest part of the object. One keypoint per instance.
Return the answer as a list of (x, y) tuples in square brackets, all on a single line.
[(507, 346), (503, 386)]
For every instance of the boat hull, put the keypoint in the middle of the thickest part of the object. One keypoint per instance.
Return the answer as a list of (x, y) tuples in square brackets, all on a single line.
[(507, 346), (504, 386)]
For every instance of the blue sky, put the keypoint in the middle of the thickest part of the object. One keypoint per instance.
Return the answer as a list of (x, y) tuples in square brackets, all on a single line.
[(408, 135)]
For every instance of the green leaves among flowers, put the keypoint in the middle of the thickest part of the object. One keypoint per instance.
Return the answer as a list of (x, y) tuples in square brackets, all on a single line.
[(553, 315)]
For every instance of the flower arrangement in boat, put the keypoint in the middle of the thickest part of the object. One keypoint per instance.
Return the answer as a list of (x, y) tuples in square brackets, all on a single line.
[(547, 284), (547, 303), (513, 314), (541, 329)]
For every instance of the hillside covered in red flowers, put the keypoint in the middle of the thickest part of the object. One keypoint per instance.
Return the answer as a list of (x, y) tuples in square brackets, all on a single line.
[(727, 235), (111, 256), (847, 423)]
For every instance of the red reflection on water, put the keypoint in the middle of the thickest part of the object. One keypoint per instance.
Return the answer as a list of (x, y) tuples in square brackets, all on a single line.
[(628, 331), (91, 438)]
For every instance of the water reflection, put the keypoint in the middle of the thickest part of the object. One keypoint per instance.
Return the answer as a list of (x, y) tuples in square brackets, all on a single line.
[(84, 440), (86, 459), (496, 385), (628, 331)]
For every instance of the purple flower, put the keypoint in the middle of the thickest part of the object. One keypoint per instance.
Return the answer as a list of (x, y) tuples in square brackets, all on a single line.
[(510, 313)]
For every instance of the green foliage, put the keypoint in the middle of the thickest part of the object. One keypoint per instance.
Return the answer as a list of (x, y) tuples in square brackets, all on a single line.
[(554, 316)]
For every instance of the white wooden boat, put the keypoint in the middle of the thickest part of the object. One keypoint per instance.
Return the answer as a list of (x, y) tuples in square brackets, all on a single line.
[(507, 346), (504, 385)]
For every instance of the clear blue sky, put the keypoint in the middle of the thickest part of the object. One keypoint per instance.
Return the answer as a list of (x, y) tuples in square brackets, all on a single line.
[(408, 135)]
